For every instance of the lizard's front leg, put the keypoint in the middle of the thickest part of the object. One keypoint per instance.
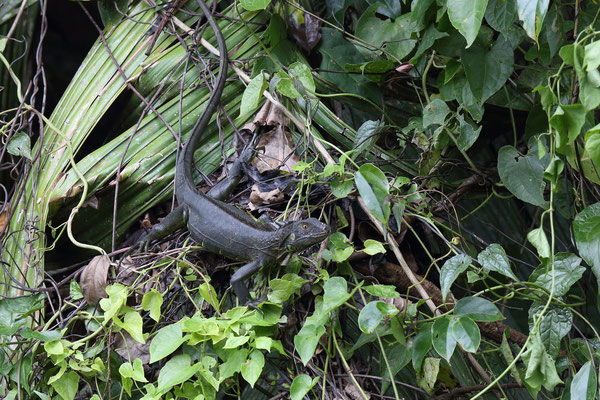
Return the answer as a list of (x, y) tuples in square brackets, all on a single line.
[(175, 220), (237, 280)]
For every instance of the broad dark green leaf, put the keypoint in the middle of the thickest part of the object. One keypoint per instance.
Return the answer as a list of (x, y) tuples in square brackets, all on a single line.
[(398, 356), (385, 291), (522, 175), (586, 228), (487, 71), (585, 383), (501, 14), (467, 134), (443, 340), (567, 271), (466, 333), (66, 386), (177, 370), (557, 323), (253, 94), (592, 146), (421, 345), (494, 258), (394, 36), (478, 309), (282, 289), (45, 336), (253, 367), (13, 312), (429, 37), (366, 136), (466, 16), (306, 341), (541, 369), (373, 313), (451, 269)]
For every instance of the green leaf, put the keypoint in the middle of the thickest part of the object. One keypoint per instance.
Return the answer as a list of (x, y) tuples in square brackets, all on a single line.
[(443, 340), (373, 187), (306, 341), (132, 323), (54, 347), (494, 258), (537, 237), (20, 145), (45, 336), (75, 290), (373, 247), (298, 83), (429, 37), (134, 371), (501, 14), (14, 312), (301, 386), (177, 370), (255, 5), (253, 94), (282, 289), (567, 120), (522, 176), (253, 367), (152, 301), (233, 364), (586, 228), (421, 345), (451, 269), (335, 293), (398, 357), (585, 383), (467, 134), (478, 309), (487, 71), (556, 325), (532, 13), (592, 145), (385, 291), (66, 386), (429, 374), (365, 137), (466, 333), (117, 297), (373, 313), (567, 271), (233, 342), (541, 369), (466, 17), (340, 188), (394, 36), (435, 113), (166, 341)]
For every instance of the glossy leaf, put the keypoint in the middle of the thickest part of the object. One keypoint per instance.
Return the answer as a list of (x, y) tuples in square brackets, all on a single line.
[(541, 369), (478, 309), (373, 187), (66, 386), (421, 345), (429, 374), (176, 371), (443, 340), (466, 333), (301, 385), (592, 146), (568, 120), (586, 228), (523, 176), (255, 5), (306, 341), (467, 134), (373, 247), (585, 383), (385, 291), (532, 13), (20, 145), (253, 94), (373, 313), (365, 137), (494, 258), (466, 17), (451, 269), (282, 289)]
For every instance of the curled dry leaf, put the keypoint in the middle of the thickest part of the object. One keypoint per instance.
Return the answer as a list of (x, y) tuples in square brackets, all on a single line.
[(353, 393), (127, 272), (93, 279), (258, 198)]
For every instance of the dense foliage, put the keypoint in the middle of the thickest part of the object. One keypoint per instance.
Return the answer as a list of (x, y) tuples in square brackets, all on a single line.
[(452, 146)]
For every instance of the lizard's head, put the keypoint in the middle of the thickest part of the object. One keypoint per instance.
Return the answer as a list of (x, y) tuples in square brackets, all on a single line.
[(304, 233)]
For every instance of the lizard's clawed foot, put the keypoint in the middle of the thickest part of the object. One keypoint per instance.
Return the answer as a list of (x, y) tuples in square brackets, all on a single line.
[(249, 150), (253, 304)]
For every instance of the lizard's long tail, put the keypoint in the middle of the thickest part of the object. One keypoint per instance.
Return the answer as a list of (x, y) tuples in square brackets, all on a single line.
[(183, 173)]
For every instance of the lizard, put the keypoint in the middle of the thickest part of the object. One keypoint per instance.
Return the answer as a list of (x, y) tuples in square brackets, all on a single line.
[(220, 227)]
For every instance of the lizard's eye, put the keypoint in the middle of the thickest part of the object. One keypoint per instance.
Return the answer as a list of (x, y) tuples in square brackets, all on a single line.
[(304, 226)]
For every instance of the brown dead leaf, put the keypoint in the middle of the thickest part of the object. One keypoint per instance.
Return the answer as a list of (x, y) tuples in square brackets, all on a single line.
[(129, 349), (258, 198), (2, 220), (127, 272), (93, 279), (353, 393), (305, 30)]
